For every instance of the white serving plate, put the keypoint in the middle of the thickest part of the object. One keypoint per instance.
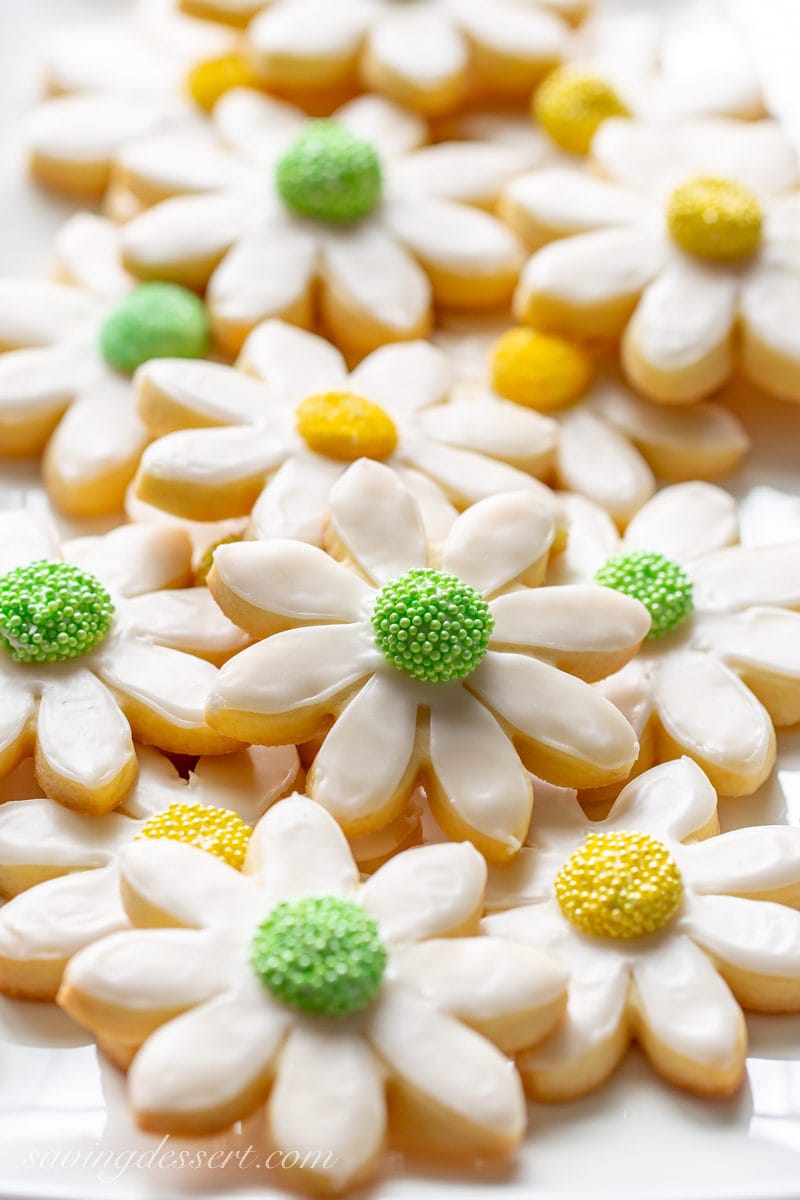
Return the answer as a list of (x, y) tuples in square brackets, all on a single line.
[(64, 1128)]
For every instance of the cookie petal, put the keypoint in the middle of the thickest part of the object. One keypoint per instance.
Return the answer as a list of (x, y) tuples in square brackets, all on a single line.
[(84, 753), (709, 714), (538, 702), (587, 630), (744, 862), (559, 202), (135, 559), (516, 436), (674, 798), (467, 477), (258, 126), (177, 393), (183, 239), (292, 362), (757, 944), (404, 378), (428, 891), (205, 1069), (364, 503), (685, 1011), (469, 172), (36, 312), (390, 128), (39, 833), (185, 619), (36, 387), (366, 769), (297, 849), (678, 344), (279, 584), (166, 883), (770, 348), (685, 522), (136, 979), (762, 645), (328, 1103), (279, 36), (507, 991), (737, 578), (499, 541), (470, 1083), (295, 501), (478, 788), (597, 461), (421, 55), (24, 538)]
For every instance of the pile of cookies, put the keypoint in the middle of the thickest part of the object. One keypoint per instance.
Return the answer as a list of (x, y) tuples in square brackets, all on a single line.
[(377, 744)]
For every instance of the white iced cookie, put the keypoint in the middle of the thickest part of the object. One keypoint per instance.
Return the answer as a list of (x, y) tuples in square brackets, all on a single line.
[(94, 653), (688, 238), (429, 56), (297, 984), (61, 867), (66, 382), (345, 221), (114, 83), (721, 665), (664, 927), (436, 662), (283, 428), (611, 445)]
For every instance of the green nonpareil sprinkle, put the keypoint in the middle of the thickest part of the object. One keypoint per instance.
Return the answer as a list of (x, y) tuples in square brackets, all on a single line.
[(660, 584), (156, 320), (51, 611), (329, 174)]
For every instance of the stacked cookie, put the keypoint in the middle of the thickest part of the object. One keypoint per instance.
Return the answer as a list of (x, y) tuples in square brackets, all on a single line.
[(377, 744)]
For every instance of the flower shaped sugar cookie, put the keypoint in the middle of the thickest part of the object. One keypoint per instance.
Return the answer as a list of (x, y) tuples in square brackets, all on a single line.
[(304, 419), (65, 385), (664, 927), (61, 869), (348, 207), (92, 651), (721, 665), (690, 238), (428, 55), (114, 83), (434, 664), (296, 983), (610, 444)]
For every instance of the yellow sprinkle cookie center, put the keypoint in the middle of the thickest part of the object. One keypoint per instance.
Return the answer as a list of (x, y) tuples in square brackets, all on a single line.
[(715, 219), (619, 885), (215, 830), (571, 106), (344, 426), (209, 80), (539, 371)]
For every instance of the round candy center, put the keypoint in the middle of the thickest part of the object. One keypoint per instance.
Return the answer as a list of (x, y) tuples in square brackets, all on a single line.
[(715, 219), (344, 426), (215, 830), (620, 885), (320, 955), (155, 320), (329, 174), (431, 625), (209, 80), (571, 105), (660, 584), (539, 371), (50, 611)]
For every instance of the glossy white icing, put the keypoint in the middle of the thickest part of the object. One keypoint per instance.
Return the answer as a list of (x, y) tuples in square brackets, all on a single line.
[(235, 1032), (680, 996)]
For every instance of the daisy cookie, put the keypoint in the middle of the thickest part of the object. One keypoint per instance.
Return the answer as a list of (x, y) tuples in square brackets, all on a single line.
[(425, 663), (65, 385), (721, 665), (295, 983), (666, 928), (430, 56), (610, 445), (345, 220), (94, 653), (61, 867), (114, 83), (687, 241), (284, 427)]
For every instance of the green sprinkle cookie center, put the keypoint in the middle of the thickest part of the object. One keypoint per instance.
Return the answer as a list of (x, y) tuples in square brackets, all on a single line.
[(156, 320), (320, 955), (51, 611), (660, 584), (431, 625), (329, 174)]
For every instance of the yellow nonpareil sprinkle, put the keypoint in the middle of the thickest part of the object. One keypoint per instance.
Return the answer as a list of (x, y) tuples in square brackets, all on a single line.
[(344, 426), (539, 371), (571, 106), (715, 219), (619, 885), (215, 830)]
